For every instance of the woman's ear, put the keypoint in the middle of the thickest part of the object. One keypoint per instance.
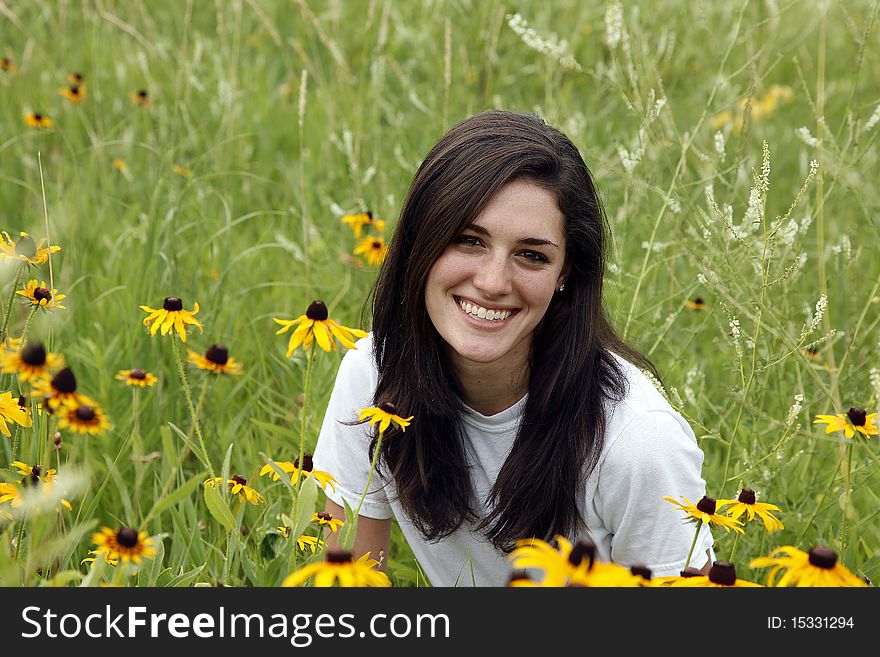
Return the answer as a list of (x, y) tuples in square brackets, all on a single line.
[(563, 276)]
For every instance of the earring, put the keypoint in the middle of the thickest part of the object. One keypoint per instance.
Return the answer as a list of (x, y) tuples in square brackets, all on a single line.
[(562, 287)]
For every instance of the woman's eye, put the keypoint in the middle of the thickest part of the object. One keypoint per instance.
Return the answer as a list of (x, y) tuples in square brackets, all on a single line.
[(467, 240), (534, 256)]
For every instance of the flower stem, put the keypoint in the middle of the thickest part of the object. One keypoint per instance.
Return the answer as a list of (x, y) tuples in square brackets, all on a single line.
[(733, 551), (693, 544), (846, 496), (302, 433), (357, 511), (3, 334), (19, 543), (28, 323), (192, 410)]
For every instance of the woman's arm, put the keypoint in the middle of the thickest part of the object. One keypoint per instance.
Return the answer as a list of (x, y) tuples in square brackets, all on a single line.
[(373, 536)]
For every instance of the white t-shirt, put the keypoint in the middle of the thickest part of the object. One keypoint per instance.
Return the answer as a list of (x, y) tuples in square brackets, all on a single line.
[(649, 452)]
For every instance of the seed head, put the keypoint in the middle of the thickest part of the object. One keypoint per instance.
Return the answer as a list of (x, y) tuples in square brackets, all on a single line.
[(317, 311)]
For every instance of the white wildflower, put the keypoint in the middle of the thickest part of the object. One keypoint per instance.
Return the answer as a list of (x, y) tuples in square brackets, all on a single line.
[(719, 144), (821, 307), (804, 135), (613, 24), (550, 46), (701, 277), (795, 410), (788, 233), (874, 378), (656, 109), (874, 120), (674, 205), (655, 382), (736, 334)]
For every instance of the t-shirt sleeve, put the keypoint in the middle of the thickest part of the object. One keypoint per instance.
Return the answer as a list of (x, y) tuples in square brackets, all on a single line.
[(343, 449), (655, 455)]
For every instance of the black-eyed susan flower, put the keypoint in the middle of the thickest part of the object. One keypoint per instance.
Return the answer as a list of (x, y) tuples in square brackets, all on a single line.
[(216, 360), (521, 578), (25, 249), (141, 97), (327, 520), (137, 377), (10, 493), (30, 362), (373, 249), (35, 473), (14, 345), (690, 571), (40, 295), (357, 222), (705, 511), (854, 420), (15, 493), (38, 120), (125, 544), (75, 93), (568, 564), (339, 567), (818, 567), (12, 411), (7, 65), (747, 503), (722, 574), (696, 303), (384, 414), (75, 78), (304, 542), (307, 470), (238, 486), (92, 560), (85, 418), (810, 353), (315, 326), (171, 316), (60, 391)]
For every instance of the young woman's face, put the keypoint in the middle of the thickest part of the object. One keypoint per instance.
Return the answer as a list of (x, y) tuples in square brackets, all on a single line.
[(492, 285)]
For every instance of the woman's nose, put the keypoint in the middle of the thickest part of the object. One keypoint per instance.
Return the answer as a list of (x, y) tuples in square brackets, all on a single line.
[(493, 276)]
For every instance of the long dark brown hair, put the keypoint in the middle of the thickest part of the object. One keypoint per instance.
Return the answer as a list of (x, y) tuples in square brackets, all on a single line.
[(572, 372)]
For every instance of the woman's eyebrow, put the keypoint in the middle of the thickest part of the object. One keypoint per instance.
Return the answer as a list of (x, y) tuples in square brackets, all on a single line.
[(530, 241)]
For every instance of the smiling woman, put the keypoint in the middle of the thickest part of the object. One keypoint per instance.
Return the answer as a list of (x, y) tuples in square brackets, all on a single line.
[(530, 416)]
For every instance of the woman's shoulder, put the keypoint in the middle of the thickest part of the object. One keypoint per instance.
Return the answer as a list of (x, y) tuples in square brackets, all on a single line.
[(359, 364)]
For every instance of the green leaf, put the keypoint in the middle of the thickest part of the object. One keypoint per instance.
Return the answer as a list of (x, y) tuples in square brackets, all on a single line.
[(187, 578), (181, 492), (308, 496), (218, 508)]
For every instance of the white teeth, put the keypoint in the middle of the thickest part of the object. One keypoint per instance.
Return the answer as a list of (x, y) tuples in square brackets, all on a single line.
[(484, 313)]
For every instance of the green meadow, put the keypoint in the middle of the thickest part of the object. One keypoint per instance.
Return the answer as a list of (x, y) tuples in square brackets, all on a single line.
[(734, 145)]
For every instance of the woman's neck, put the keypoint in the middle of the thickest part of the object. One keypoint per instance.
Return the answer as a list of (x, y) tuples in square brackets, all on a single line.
[(490, 388)]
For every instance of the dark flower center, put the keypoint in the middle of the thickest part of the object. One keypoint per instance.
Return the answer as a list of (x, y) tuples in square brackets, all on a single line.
[(26, 246), (641, 570), (31, 480), (142, 94), (822, 556), (218, 354), (38, 116), (370, 215), (239, 480), (33, 353), (388, 407), (722, 573), (74, 90), (333, 555), (64, 381), (325, 516), (307, 464), (22, 401), (518, 576), (138, 374), (706, 505), (77, 77), (85, 413), (690, 571), (172, 304), (37, 470), (317, 311), (41, 293), (857, 416), (747, 496), (583, 548), (699, 301), (127, 537), (377, 244)]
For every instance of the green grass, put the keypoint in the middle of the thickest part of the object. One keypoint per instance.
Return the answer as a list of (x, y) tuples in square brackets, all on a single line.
[(253, 233)]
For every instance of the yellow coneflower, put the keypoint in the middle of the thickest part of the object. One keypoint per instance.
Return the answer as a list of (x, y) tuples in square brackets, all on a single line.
[(315, 326), (171, 316), (675, 580), (141, 98), (238, 486), (373, 249), (119, 165), (14, 344), (75, 93), (811, 354), (570, 564), (762, 106), (357, 222), (326, 519), (92, 560), (339, 567), (31, 362), (124, 544), (747, 503), (40, 295), (722, 574), (385, 414), (85, 418), (137, 377), (12, 411), (60, 391), (10, 493), (307, 470), (696, 303), (75, 78), (705, 512), (818, 567), (25, 249), (35, 472), (216, 360), (854, 420), (38, 120), (7, 65)]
